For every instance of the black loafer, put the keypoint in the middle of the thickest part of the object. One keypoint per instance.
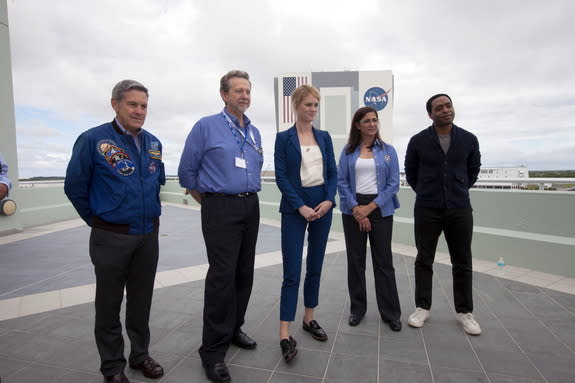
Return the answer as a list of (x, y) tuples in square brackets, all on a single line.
[(242, 340), (217, 372), (355, 319), (288, 348), (315, 330), (394, 325)]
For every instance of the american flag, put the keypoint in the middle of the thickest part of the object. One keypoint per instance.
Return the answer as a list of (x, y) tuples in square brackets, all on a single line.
[(289, 85)]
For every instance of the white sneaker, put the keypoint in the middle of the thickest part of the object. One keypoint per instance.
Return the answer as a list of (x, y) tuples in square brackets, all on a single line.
[(469, 323), (418, 318)]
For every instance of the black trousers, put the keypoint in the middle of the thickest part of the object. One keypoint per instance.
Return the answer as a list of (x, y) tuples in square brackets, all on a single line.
[(382, 260), (230, 227), (457, 226), (123, 261)]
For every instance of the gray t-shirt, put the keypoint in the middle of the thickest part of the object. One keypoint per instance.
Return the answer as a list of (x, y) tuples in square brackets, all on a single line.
[(444, 141)]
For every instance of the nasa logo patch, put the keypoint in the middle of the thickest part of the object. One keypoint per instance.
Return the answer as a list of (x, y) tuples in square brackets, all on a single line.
[(376, 97)]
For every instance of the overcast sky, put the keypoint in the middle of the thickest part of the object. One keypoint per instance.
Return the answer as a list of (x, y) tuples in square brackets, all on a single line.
[(507, 64)]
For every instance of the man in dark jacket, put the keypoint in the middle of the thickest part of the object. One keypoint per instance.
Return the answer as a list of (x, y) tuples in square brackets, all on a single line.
[(113, 180), (441, 164)]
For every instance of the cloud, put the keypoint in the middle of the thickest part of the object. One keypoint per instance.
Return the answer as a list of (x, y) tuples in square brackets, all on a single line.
[(506, 64)]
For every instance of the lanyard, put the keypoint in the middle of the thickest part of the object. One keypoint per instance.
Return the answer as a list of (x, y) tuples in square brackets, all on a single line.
[(234, 129)]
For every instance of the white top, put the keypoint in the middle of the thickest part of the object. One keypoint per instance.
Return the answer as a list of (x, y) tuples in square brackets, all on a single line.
[(311, 171), (365, 176)]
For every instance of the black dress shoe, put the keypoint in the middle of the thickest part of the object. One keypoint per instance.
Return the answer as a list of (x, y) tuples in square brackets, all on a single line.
[(217, 372), (394, 325), (315, 330), (118, 378), (149, 367), (288, 348), (242, 340), (355, 319)]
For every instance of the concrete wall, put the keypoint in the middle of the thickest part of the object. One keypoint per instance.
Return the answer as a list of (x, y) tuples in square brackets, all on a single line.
[(44, 204), (7, 125), (531, 229)]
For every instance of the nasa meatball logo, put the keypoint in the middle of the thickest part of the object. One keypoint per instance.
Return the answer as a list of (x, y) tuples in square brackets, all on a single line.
[(376, 97)]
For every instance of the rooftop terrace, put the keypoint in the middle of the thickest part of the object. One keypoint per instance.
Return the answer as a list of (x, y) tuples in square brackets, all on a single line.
[(46, 313)]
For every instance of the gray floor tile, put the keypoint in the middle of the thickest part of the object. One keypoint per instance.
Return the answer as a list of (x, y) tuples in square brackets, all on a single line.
[(179, 342), (564, 328), (368, 326), (167, 319), (563, 299), (444, 335), (446, 375), (11, 366), (407, 333), (29, 322), (242, 374), (265, 356), (521, 323), (539, 341), (495, 378), (306, 362), (35, 373), (509, 363), (541, 305), (58, 325), (279, 377), (494, 339), (403, 351), (392, 371), (448, 346), (186, 371), (305, 341), (555, 369), (77, 356), (360, 345), (352, 369), (32, 347)]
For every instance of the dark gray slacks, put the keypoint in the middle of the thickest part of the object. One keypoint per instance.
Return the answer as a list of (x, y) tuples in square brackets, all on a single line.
[(457, 226), (230, 226), (382, 260), (123, 261)]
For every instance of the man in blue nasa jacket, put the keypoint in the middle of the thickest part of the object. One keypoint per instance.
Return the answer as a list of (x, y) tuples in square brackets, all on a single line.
[(113, 180)]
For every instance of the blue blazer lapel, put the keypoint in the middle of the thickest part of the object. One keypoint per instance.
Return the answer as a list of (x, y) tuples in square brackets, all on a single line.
[(320, 141), (292, 134)]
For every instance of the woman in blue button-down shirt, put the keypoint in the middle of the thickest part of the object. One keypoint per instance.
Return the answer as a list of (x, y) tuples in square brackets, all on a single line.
[(368, 182)]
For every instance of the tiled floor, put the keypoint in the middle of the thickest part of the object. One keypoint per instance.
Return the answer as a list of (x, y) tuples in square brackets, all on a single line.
[(46, 293)]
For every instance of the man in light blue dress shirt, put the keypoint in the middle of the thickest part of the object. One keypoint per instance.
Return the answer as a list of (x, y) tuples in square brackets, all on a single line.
[(220, 168)]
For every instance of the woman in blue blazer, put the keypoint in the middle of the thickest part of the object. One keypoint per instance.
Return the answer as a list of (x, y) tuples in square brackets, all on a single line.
[(306, 175), (368, 182)]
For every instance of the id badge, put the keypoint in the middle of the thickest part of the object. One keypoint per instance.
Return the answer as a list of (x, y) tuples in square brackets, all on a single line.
[(240, 163)]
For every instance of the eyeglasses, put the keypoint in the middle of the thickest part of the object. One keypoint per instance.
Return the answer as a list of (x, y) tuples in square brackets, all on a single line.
[(367, 121)]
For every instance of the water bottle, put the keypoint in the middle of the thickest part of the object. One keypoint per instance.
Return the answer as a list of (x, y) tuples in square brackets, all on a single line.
[(500, 267)]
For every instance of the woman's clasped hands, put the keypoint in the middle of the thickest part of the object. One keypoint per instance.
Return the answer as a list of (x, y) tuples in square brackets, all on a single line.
[(316, 213)]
